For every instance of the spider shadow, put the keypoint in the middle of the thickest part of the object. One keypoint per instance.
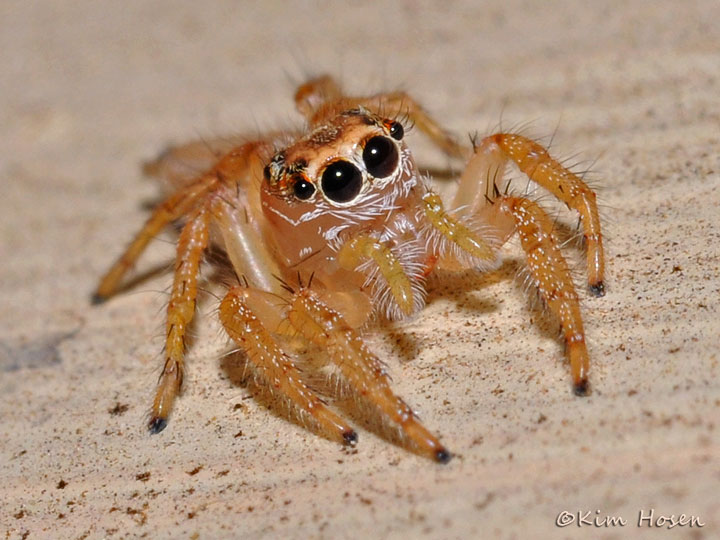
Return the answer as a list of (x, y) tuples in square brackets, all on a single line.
[(462, 288), (238, 369), (141, 277), (339, 396), (240, 372), (458, 287)]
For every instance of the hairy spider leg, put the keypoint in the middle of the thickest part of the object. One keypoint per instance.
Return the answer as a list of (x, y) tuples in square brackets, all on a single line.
[(401, 103), (180, 311), (176, 166), (552, 278), (211, 197), (488, 165), (545, 261), (173, 208), (364, 372), (311, 95), (273, 366), (239, 215)]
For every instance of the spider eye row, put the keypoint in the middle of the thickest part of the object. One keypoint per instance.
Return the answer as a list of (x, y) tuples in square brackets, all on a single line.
[(342, 181)]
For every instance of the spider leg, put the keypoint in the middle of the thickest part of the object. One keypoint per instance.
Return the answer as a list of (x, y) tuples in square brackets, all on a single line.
[(234, 172), (545, 261), (551, 275), (321, 98), (311, 95), (400, 103), (173, 208), (221, 195), (366, 374), (271, 364), (181, 308), (177, 166), (488, 164), (244, 246)]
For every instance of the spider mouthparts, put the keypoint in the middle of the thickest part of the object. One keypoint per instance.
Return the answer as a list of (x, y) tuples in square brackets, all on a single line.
[(581, 388), (157, 424), (350, 437), (443, 456), (598, 289)]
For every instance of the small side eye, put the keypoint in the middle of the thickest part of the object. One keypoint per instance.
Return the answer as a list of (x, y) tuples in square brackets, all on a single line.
[(341, 182), (380, 156), (266, 172), (397, 131), (302, 189)]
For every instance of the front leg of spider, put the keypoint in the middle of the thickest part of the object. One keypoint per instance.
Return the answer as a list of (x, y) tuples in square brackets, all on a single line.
[(274, 367), (511, 214), (363, 371)]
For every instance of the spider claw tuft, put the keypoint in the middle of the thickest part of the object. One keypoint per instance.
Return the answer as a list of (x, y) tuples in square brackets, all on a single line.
[(96, 299), (598, 289), (157, 424), (350, 437), (581, 388), (443, 456)]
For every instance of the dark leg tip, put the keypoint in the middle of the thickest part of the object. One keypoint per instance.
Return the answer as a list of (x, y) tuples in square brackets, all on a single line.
[(582, 388), (96, 299), (598, 289), (156, 425), (350, 437), (443, 456)]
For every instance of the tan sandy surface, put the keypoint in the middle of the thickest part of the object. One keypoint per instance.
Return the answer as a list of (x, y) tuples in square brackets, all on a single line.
[(89, 89)]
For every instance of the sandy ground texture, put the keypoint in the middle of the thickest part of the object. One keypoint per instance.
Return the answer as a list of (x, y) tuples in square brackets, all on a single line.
[(630, 89)]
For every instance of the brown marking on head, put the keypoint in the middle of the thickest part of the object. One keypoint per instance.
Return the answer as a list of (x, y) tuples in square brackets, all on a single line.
[(338, 138)]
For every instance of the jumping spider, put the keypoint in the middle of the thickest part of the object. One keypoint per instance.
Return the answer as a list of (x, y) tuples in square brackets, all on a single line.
[(343, 204)]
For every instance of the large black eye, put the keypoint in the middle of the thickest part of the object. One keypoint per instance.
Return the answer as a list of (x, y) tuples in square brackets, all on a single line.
[(380, 156), (341, 181), (302, 189)]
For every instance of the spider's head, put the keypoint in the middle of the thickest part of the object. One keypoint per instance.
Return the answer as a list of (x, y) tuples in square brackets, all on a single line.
[(347, 173)]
